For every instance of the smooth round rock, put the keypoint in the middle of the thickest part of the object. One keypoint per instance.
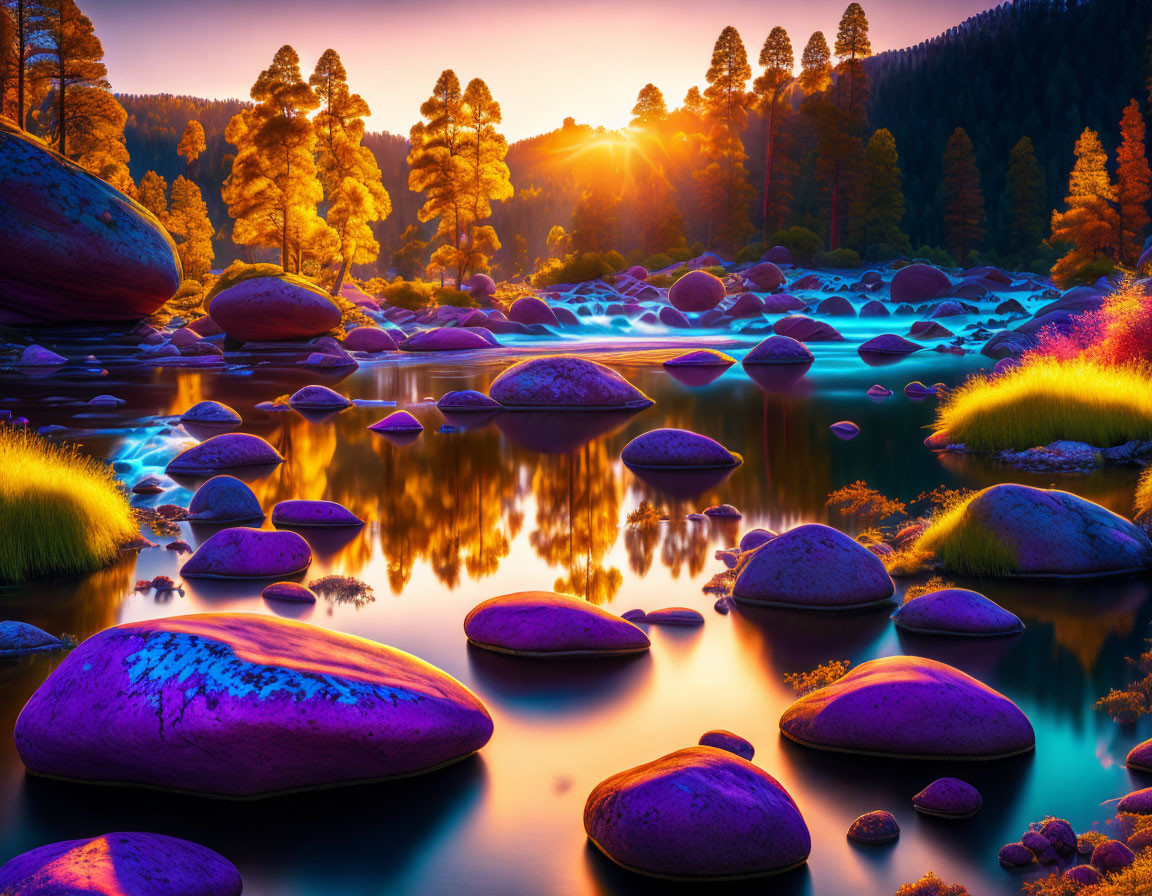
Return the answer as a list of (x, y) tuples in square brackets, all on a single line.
[(224, 499), (948, 798), (874, 308), (1112, 855), (565, 382), (547, 624), (909, 706), (918, 282), (704, 357), (879, 393), (755, 538), (1140, 757), (293, 592), (677, 449), (723, 511), (397, 422), (888, 344), (271, 309), (228, 451), (244, 705), (675, 616), (318, 398), (314, 513), (370, 340), (726, 740), (210, 412), (814, 567), (746, 306), (634, 616), (1085, 875), (532, 310), (697, 814), (1015, 855), (697, 291), (928, 329), (670, 317), (243, 553), (805, 329), (764, 276), (20, 638), (1138, 802), (445, 339), (783, 303), (777, 255), (467, 400), (874, 827), (778, 350), (836, 306), (38, 356), (845, 429), (956, 611), (121, 864), (73, 248)]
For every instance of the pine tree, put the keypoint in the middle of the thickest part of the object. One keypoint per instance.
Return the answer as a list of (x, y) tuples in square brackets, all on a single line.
[(964, 214), (347, 170), (486, 176), (192, 144), (725, 191), (273, 189), (595, 221), (649, 107), (878, 204), (1091, 225), (1133, 184), (1024, 195), (815, 65), (777, 59), (853, 47), (9, 64), (153, 195), (29, 19), (190, 228), (694, 102)]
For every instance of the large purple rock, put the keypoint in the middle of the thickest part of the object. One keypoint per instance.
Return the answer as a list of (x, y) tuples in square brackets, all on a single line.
[(814, 567), (121, 864), (948, 798), (929, 329), (699, 814), (73, 248), (1138, 802), (874, 308), (677, 449), (314, 513), (210, 412), (397, 422), (224, 499), (565, 382), (445, 339), (1140, 757), (243, 553), (480, 286), (783, 303), (1050, 533), (271, 309), (779, 350), (670, 317), (241, 705), (909, 706), (748, 305), (764, 276), (20, 638), (318, 398), (547, 624), (888, 344), (777, 255), (532, 310), (225, 452), (696, 291), (874, 827), (1112, 855), (703, 357), (805, 329), (369, 339), (466, 400), (918, 282), (956, 611), (836, 306)]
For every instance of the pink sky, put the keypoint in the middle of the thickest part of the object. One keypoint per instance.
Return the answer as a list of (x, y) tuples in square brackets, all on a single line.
[(543, 60)]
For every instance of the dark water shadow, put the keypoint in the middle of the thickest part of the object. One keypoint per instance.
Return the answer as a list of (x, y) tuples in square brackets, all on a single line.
[(683, 485), (774, 378), (558, 432)]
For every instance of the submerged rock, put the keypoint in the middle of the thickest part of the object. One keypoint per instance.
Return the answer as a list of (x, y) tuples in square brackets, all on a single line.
[(836, 306), (293, 592), (565, 382), (19, 638), (121, 864), (879, 393), (948, 798), (698, 814), (956, 611), (704, 357), (674, 616), (813, 567), (37, 355), (225, 452), (314, 513), (318, 398), (874, 827), (547, 624), (73, 248), (224, 499), (779, 350), (888, 344), (466, 400), (397, 422), (445, 339), (731, 743), (273, 309), (697, 291), (243, 553), (211, 412), (244, 705), (909, 706), (677, 449), (918, 282)]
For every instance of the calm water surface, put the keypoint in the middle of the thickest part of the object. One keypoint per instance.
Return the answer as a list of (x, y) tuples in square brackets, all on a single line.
[(540, 502)]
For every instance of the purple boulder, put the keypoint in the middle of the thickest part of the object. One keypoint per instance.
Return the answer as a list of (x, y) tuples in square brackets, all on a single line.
[(888, 344), (271, 309), (480, 286), (814, 567), (1015, 855), (764, 277), (224, 499), (1112, 855), (546, 624), (210, 412), (397, 422), (836, 306), (703, 357), (909, 706), (532, 310), (748, 305), (1138, 802), (565, 382), (918, 282), (805, 329), (225, 452), (879, 393), (242, 705), (729, 742), (313, 513), (318, 398), (444, 339), (777, 255), (874, 309), (948, 798), (874, 827), (755, 539), (697, 291), (243, 553), (1140, 757), (699, 814), (677, 449), (782, 303), (674, 616), (956, 611), (779, 350), (670, 317), (1085, 875), (845, 429), (929, 329), (369, 339), (466, 400), (20, 638), (293, 592)]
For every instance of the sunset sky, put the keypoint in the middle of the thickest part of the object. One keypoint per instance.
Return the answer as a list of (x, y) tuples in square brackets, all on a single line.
[(543, 60)]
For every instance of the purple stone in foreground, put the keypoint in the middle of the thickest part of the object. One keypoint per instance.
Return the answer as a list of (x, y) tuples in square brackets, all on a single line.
[(564, 382), (909, 706), (318, 398), (242, 553), (241, 705), (1138, 802), (677, 449), (956, 611), (369, 339), (814, 567), (918, 282), (121, 864), (544, 623), (1140, 757), (289, 591), (698, 814), (225, 452), (313, 513), (224, 499), (729, 742), (1015, 855), (874, 827), (674, 616), (1084, 875), (397, 422), (948, 798), (532, 310)]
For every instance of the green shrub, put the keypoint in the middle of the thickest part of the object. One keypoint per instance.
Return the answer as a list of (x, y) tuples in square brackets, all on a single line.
[(615, 260), (657, 262), (410, 294), (751, 253), (574, 269), (680, 253), (935, 256), (838, 258), (449, 295), (800, 241), (716, 270)]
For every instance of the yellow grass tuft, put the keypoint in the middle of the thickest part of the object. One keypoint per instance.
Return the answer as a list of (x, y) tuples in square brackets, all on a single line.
[(61, 512), (1045, 400), (960, 544), (1144, 497)]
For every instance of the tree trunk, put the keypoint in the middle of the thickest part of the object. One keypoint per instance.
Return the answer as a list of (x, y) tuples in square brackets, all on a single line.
[(768, 164), (833, 222), (344, 264), (60, 103), (22, 49)]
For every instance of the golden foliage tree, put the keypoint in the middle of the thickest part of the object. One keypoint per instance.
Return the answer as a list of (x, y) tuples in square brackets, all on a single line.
[(487, 178), (153, 195), (1133, 184), (9, 65), (964, 214), (1091, 224), (777, 59), (348, 171), (724, 188), (191, 229), (694, 102), (815, 65), (192, 144), (852, 48), (650, 107), (273, 190), (436, 169)]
